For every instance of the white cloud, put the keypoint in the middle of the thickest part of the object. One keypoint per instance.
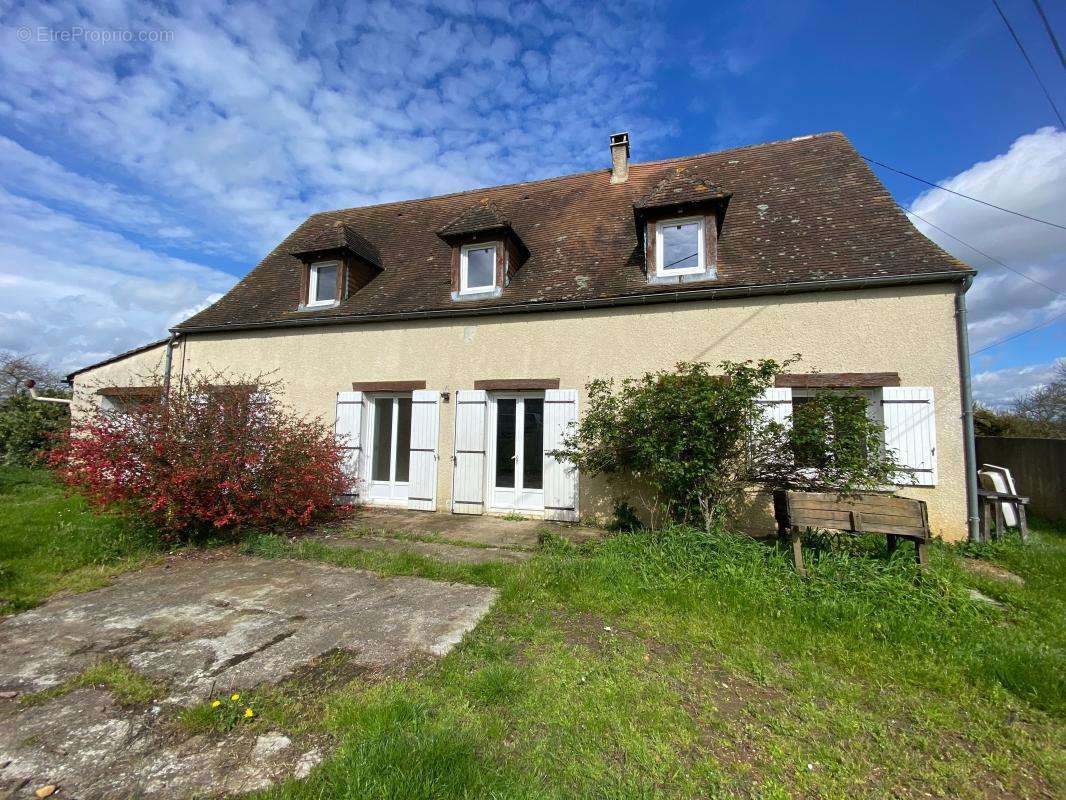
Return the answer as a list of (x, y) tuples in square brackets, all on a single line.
[(72, 293), (219, 139), (1031, 178), (996, 388)]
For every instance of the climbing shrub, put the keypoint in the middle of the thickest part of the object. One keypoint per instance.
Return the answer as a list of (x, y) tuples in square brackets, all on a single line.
[(697, 440), (214, 458)]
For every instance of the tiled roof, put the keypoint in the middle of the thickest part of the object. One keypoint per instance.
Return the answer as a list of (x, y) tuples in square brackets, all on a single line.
[(801, 211)]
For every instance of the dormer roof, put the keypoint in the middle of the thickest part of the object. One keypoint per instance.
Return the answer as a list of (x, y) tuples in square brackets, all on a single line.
[(479, 217), (337, 238), (682, 186), (479, 220)]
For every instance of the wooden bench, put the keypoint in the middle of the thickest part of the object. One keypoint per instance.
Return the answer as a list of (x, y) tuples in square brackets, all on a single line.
[(896, 517)]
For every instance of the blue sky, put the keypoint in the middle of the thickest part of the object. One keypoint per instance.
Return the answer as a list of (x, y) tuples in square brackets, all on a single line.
[(150, 155)]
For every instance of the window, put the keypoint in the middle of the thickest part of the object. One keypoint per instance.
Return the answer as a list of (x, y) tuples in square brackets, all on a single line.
[(322, 286), (477, 270), (679, 247), (818, 417)]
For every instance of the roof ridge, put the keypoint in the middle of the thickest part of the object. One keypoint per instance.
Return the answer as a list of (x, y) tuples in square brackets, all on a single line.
[(655, 162)]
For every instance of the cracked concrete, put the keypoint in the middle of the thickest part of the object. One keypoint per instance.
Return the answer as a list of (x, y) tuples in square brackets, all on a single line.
[(202, 628)]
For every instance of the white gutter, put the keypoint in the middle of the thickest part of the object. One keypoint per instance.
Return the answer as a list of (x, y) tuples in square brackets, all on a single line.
[(31, 385)]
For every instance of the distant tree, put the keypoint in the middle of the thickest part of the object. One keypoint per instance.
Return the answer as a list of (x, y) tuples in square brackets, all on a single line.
[(28, 428), (1040, 413), (1045, 408), (17, 368)]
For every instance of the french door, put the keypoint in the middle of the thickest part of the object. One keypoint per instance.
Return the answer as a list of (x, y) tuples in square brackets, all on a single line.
[(390, 447), (516, 439)]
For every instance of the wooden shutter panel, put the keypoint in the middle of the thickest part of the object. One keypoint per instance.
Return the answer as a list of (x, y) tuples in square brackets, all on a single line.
[(468, 479), (349, 430), (910, 431), (560, 477), (425, 429), (777, 405)]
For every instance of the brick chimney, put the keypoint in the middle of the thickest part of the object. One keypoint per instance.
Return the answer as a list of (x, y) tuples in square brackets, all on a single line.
[(619, 157)]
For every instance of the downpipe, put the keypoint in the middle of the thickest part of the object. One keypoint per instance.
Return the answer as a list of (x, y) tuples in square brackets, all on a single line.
[(168, 367), (969, 445)]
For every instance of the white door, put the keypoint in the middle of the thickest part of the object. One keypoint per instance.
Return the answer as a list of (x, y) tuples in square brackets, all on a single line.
[(390, 447), (516, 452)]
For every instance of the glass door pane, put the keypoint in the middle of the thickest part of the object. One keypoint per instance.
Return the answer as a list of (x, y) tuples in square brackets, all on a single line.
[(381, 467), (403, 439), (505, 441), (533, 443)]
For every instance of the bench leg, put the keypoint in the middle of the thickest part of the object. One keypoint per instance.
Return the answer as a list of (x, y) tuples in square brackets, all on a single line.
[(921, 553), (797, 552), (986, 521), (1023, 527), (1000, 524), (893, 543)]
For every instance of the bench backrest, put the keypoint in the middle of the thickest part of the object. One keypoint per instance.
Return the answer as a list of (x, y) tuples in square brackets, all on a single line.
[(875, 513)]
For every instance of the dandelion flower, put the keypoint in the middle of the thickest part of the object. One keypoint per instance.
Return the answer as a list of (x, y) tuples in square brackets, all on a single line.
[(234, 697), (216, 704), (249, 713)]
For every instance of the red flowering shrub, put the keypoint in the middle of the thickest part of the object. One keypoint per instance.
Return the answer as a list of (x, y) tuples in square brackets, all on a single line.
[(212, 458)]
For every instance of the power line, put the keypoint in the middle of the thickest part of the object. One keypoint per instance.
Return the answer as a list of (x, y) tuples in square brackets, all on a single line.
[(1019, 334), (1029, 61), (966, 196), (986, 255), (1050, 33)]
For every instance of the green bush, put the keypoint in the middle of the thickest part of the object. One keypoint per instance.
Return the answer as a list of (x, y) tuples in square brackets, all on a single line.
[(29, 427), (699, 439)]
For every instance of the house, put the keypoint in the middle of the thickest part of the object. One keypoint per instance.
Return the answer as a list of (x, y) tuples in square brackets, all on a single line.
[(450, 338)]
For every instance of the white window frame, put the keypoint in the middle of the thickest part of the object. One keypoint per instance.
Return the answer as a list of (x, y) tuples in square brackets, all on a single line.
[(662, 271), (464, 272), (312, 285)]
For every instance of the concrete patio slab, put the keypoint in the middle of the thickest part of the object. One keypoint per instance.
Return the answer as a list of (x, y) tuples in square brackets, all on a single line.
[(203, 628), (466, 528)]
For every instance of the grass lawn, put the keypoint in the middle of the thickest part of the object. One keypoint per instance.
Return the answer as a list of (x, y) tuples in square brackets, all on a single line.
[(50, 541), (684, 665), (670, 665)]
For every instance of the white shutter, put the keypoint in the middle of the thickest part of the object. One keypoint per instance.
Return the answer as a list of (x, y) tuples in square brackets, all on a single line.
[(468, 479), (350, 432), (777, 405), (910, 431), (560, 477), (425, 428)]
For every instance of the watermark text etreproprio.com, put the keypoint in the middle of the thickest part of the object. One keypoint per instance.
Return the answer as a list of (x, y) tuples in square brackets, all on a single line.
[(78, 33)]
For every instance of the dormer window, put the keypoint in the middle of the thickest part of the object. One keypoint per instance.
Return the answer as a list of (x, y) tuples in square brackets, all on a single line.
[(337, 262), (680, 247), (477, 268), (680, 221), (486, 252), (322, 284)]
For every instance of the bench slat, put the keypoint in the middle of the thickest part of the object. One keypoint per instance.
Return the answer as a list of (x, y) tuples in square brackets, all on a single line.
[(891, 505), (907, 511), (842, 520)]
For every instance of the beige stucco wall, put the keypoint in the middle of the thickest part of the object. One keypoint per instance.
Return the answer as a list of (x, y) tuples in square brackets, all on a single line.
[(140, 369), (908, 330)]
